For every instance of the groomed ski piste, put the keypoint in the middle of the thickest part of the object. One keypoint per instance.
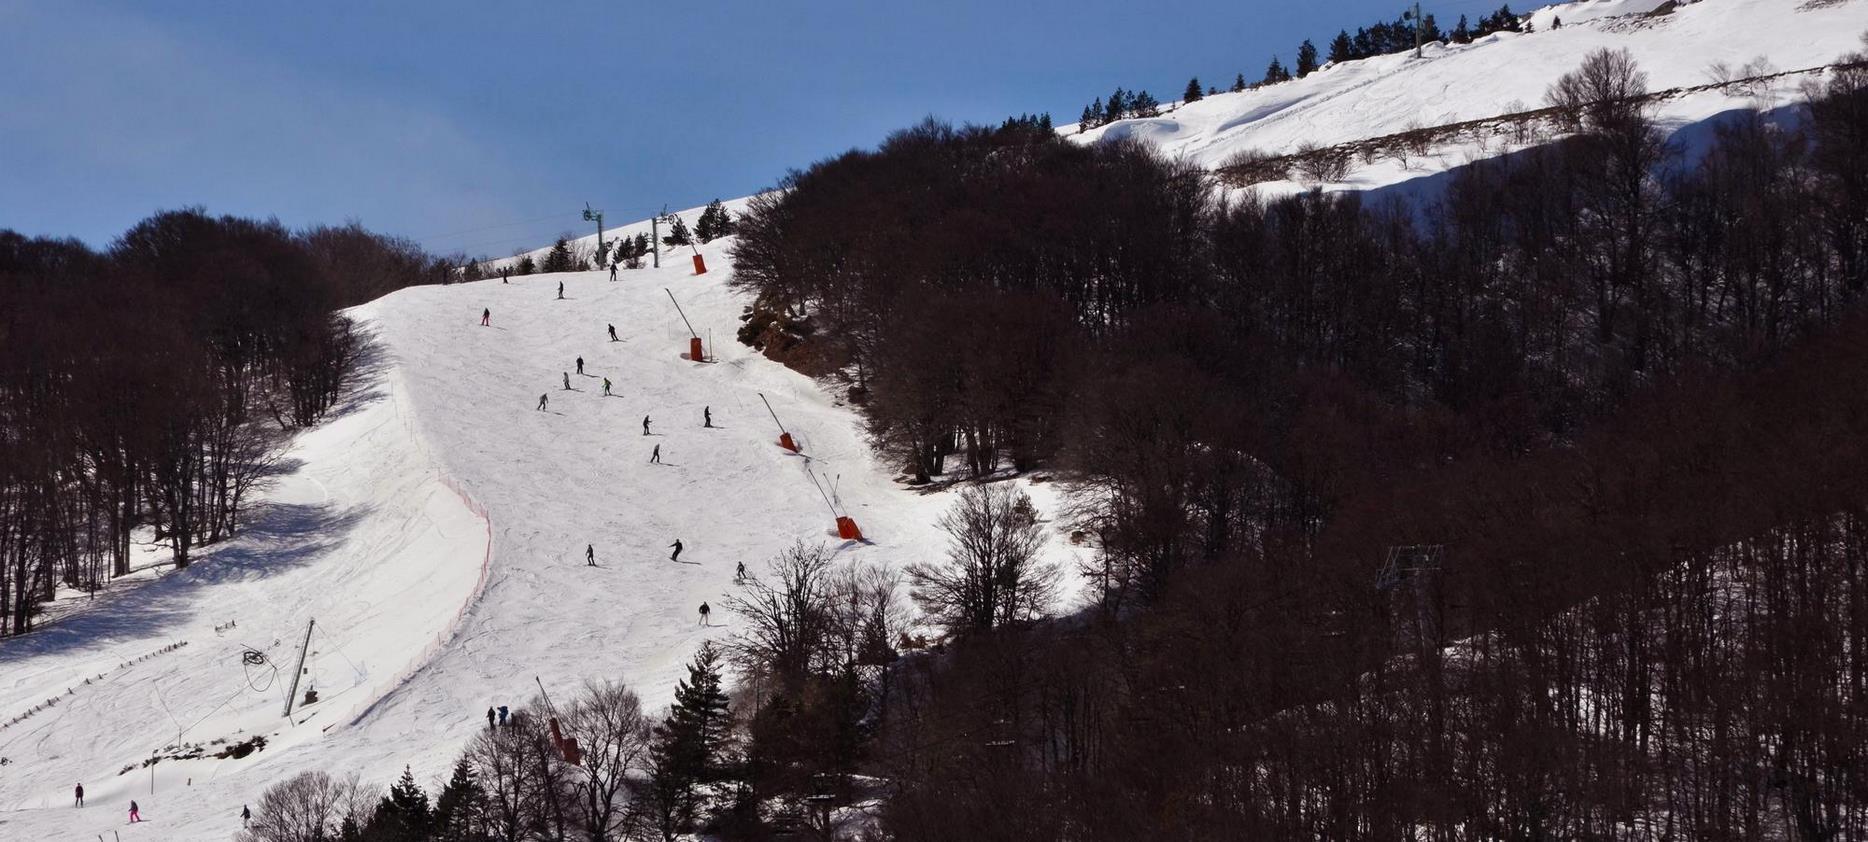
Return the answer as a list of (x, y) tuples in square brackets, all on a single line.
[(434, 527), (435, 531)]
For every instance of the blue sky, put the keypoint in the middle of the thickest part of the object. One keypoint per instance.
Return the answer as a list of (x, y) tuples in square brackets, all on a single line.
[(486, 127)]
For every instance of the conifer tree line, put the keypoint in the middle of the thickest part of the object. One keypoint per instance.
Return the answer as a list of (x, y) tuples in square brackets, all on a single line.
[(149, 386), (1618, 388), (1380, 39)]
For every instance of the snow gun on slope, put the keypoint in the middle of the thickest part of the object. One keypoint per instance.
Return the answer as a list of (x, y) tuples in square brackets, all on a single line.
[(695, 351), (846, 525), (784, 437)]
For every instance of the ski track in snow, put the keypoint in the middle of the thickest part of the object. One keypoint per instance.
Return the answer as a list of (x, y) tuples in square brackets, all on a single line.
[(379, 535), (435, 525)]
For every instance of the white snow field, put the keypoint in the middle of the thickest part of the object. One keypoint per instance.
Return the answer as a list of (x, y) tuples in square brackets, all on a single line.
[(435, 527), (378, 534), (1504, 73)]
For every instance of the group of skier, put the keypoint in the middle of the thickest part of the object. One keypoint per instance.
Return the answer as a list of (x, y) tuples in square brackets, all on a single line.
[(499, 715), (136, 811)]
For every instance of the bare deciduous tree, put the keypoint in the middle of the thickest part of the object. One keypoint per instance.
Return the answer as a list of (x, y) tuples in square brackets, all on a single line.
[(992, 576)]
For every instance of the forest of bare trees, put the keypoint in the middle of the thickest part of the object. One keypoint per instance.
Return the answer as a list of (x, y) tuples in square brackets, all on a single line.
[(150, 386), (1604, 399)]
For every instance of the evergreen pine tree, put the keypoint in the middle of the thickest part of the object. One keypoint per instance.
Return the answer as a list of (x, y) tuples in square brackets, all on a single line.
[(1193, 92), (678, 234), (1363, 46), (1117, 108), (525, 267), (1276, 72), (1306, 59), (458, 805), (1341, 48), (1238, 83), (1144, 105), (1556, 23), (697, 723), (714, 222), (1462, 34), (1092, 115), (403, 815), (559, 259), (1211, 90)]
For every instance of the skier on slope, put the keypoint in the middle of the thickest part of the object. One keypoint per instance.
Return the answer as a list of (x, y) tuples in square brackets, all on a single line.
[(136, 815), (489, 718), (246, 815), (486, 317), (503, 274), (580, 365), (542, 400), (502, 714), (655, 457), (704, 611), (590, 555), (606, 386), (567, 380), (560, 290), (613, 334), (677, 546), (80, 793), (706, 414), (645, 425), (612, 270), (740, 574)]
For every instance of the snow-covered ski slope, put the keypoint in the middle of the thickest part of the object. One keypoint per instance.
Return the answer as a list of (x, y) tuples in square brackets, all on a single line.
[(435, 527), (1504, 73), (440, 472)]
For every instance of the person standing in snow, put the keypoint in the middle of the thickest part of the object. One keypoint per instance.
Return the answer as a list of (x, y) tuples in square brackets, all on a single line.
[(704, 611), (502, 714), (612, 271), (502, 275), (677, 546), (590, 555), (80, 793), (645, 425), (740, 574), (560, 290), (606, 387), (567, 380), (486, 317), (613, 334), (580, 365), (489, 718), (246, 815), (542, 400), (655, 457), (706, 414), (136, 815)]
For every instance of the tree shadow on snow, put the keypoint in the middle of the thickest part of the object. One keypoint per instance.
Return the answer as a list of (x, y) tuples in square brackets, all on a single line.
[(277, 538), (366, 384)]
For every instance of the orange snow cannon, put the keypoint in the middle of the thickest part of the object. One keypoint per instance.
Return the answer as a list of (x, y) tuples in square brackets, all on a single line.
[(700, 265), (694, 350), (846, 529), (785, 441)]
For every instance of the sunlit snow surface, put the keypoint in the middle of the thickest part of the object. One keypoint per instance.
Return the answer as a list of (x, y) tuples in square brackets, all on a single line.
[(435, 527)]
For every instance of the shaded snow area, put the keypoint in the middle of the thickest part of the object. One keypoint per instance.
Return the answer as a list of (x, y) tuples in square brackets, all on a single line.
[(385, 519), (1504, 73), (435, 526)]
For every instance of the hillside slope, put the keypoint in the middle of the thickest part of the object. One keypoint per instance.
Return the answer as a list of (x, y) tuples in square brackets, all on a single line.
[(1502, 73), (382, 527)]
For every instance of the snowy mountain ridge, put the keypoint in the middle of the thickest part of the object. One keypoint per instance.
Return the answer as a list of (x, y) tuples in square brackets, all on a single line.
[(431, 534)]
